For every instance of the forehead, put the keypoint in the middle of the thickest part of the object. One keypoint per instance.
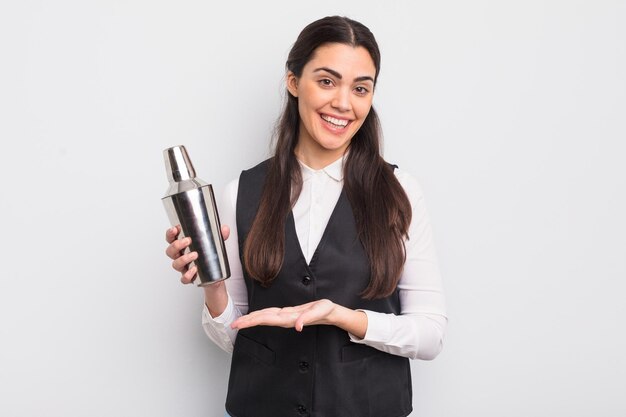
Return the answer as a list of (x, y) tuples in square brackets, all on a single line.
[(345, 59)]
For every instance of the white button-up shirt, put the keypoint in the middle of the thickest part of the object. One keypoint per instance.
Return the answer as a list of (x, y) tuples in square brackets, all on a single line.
[(419, 329)]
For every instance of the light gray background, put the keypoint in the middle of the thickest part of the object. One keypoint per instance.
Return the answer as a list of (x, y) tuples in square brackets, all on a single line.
[(511, 114)]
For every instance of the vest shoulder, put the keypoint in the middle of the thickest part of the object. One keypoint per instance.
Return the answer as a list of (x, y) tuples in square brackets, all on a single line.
[(260, 167), (255, 175)]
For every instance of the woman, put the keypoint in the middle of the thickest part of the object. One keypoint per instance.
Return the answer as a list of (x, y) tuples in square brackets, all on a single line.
[(334, 279)]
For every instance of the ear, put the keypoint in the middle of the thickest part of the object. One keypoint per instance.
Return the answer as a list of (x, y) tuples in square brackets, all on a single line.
[(292, 84)]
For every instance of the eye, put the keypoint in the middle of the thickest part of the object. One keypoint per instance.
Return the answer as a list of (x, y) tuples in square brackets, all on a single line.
[(362, 91), (325, 82)]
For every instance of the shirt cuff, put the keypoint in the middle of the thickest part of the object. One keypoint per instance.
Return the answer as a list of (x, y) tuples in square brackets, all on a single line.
[(379, 329), (218, 328), (225, 318)]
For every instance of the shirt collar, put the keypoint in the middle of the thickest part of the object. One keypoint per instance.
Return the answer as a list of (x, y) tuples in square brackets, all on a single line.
[(333, 170)]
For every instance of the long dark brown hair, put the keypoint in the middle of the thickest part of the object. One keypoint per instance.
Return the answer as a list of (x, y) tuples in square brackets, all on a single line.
[(381, 208)]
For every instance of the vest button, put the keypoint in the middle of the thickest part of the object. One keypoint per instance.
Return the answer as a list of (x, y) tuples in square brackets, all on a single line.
[(301, 410), (306, 280), (304, 366)]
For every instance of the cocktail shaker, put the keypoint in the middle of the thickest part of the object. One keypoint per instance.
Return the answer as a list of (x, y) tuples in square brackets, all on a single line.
[(190, 203)]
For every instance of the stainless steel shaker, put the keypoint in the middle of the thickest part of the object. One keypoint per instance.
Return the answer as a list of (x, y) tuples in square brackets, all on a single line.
[(190, 203)]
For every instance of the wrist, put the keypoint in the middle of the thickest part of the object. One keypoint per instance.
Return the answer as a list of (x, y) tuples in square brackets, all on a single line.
[(214, 287), (352, 321), (334, 318), (216, 298)]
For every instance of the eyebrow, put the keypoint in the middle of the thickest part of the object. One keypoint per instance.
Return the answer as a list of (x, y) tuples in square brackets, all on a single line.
[(336, 74)]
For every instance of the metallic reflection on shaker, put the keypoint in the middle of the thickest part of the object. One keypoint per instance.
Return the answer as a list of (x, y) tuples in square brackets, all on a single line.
[(190, 203)]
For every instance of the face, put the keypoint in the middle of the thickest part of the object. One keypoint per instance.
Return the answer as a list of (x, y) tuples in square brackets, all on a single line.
[(334, 95)]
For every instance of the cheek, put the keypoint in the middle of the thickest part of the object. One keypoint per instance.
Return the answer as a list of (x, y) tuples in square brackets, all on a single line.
[(308, 117), (363, 110), (312, 97), (307, 114), (304, 103)]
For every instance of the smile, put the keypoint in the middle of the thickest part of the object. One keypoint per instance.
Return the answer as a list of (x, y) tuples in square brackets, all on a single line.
[(334, 122)]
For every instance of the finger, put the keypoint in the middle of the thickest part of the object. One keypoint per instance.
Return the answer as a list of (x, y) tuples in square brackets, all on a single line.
[(225, 232), (189, 276), (272, 316), (316, 313), (182, 263), (175, 249), (255, 317), (172, 233), (266, 317), (242, 322), (307, 317), (300, 322)]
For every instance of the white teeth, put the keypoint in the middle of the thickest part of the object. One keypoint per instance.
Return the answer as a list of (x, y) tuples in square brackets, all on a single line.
[(336, 122)]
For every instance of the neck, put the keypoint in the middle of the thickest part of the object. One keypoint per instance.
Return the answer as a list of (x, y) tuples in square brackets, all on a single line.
[(316, 159)]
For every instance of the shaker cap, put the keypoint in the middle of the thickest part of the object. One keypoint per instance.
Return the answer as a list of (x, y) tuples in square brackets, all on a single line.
[(178, 165)]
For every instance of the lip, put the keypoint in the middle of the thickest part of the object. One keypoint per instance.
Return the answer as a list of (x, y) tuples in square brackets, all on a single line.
[(334, 116), (335, 129)]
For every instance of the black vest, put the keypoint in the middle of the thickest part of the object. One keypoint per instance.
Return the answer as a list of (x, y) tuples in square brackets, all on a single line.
[(278, 372)]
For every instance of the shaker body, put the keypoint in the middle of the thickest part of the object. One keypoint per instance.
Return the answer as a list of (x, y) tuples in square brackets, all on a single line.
[(196, 213)]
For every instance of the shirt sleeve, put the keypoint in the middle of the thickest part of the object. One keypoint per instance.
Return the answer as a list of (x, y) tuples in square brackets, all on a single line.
[(218, 328), (418, 331)]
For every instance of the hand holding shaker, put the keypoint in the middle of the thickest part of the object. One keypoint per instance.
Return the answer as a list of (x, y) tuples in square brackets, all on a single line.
[(190, 203)]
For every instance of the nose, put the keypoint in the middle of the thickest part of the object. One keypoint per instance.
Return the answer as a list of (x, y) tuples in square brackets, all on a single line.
[(341, 100)]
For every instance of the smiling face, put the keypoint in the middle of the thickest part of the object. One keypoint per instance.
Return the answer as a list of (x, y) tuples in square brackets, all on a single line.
[(334, 95)]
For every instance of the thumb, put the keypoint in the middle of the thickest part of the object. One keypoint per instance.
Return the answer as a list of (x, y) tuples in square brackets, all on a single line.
[(299, 325), (225, 232)]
